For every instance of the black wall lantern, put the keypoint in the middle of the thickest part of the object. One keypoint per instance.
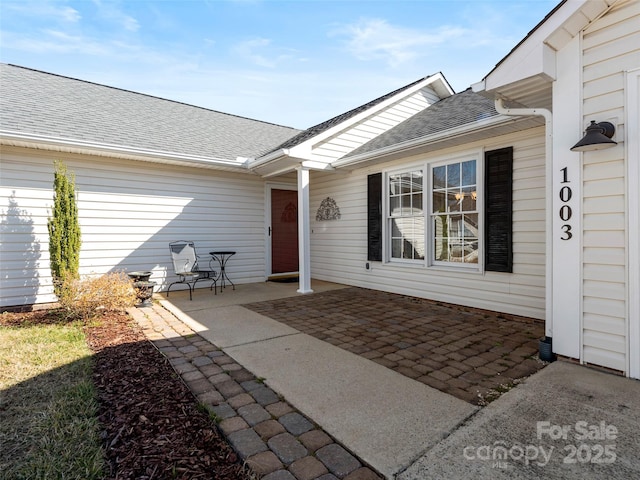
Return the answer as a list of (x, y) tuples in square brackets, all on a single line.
[(597, 136)]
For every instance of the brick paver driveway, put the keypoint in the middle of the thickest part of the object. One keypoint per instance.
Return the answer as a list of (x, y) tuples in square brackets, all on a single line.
[(471, 354)]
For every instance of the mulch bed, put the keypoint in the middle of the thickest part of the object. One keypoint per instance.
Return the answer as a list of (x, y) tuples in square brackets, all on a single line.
[(151, 425)]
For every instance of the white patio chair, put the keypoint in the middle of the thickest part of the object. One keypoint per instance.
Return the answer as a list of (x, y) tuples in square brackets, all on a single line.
[(185, 266)]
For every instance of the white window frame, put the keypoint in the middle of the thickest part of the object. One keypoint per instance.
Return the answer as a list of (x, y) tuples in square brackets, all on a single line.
[(387, 229), (427, 204), (479, 208)]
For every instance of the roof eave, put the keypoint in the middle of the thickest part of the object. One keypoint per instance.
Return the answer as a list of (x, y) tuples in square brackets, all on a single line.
[(46, 142), (428, 140), (268, 158)]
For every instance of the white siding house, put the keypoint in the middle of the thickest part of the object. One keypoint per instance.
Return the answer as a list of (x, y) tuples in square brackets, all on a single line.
[(473, 198), (148, 171)]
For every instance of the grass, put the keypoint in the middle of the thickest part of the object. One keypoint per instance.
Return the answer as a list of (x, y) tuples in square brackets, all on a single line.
[(48, 407)]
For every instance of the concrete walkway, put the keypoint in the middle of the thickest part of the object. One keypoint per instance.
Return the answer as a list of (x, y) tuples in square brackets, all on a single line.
[(271, 437), (565, 422), (410, 431), (386, 419)]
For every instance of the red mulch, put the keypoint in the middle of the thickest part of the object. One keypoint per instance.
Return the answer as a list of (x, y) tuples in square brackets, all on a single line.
[(151, 425)]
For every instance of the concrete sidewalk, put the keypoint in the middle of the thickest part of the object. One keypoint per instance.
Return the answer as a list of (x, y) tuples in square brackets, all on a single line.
[(565, 422), (385, 418), (407, 430)]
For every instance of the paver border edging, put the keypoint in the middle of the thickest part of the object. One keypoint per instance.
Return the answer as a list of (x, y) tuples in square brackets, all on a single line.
[(274, 439)]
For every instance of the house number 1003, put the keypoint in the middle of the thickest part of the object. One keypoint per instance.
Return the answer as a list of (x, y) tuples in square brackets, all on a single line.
[(565, 210)]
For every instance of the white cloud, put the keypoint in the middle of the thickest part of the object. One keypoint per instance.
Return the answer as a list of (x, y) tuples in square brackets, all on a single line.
[(373, 39), (53, 41), (110, 11), (259, 52), (248, 50), (46, 10)]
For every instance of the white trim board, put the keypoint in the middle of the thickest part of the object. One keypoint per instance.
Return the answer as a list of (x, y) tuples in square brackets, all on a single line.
[(632, 141)]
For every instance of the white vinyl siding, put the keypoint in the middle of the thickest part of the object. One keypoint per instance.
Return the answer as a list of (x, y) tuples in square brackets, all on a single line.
[(610, 45), (129, 212), (339, 248), (345, 142)]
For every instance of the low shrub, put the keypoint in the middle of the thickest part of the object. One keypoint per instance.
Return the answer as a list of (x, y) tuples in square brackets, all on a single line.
[(87, 297)]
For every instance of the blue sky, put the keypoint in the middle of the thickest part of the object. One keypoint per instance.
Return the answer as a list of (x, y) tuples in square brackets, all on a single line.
[(294, 63)]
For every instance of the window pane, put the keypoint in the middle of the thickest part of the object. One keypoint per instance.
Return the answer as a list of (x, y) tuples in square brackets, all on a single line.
[(394, 206), (453, 201), (395, 229), (417, 182), (471, 252), (455, 226), (440, 177), (469, 199), (418, 234), (408, 250), (469, 173), (440, 230), (406, 205), (438, 202), (471, 225), (394, 184), (453, 175), (396, 248), (406, 183), (416, 204)]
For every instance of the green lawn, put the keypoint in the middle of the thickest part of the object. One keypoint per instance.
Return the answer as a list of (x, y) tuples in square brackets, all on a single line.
[(48, 409)]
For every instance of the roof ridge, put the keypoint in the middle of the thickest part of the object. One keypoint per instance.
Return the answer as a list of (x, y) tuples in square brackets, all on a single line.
[(145, 95)]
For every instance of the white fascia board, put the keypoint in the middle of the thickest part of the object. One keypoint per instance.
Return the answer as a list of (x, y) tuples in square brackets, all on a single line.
[(313, 165), (535, 56), (437, 81), (423, 141), (270, 157), (46, 142)]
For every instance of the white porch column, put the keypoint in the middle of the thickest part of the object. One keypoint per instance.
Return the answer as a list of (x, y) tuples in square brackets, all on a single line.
[(304, 232), (566, 195)]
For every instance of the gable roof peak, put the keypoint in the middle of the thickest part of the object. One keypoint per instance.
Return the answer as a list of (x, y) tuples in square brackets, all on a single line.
[(440, 84)]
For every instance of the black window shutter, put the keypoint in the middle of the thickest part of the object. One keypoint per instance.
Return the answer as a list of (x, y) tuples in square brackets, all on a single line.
[(498, 179), (374, 217)]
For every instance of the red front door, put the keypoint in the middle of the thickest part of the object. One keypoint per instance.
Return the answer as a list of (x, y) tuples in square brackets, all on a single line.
[(284, 231)]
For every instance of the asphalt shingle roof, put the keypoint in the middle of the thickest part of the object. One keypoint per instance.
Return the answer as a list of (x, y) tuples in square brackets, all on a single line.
[(41, 103), (460, 109)]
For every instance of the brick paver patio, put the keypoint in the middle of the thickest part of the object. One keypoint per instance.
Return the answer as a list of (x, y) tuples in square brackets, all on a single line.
[(469, 353)]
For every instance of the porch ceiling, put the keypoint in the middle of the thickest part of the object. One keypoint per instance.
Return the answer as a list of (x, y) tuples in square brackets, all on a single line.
[(533, 92)]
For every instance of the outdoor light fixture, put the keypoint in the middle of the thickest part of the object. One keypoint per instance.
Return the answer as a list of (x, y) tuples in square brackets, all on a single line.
[(597, 136)]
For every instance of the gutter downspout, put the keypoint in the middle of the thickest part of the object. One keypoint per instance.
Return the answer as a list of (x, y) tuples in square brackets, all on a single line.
[(548, 121)]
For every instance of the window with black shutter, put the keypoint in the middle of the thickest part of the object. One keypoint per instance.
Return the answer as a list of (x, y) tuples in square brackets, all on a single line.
[(498, 215), (374, 217)]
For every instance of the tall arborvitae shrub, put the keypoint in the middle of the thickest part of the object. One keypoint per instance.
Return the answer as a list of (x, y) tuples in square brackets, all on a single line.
[(64, 229)]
